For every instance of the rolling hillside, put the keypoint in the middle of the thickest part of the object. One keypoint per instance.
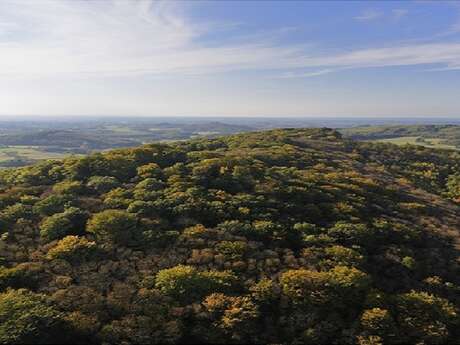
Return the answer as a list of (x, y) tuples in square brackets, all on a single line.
[(282, 236), (438, 136), (24, 143)]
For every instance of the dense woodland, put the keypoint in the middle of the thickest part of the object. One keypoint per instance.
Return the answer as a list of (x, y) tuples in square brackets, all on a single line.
[(284, 236)]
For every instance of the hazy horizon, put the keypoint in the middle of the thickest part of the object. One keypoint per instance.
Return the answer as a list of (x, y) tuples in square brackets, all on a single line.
[(142, 57), (254, 122)]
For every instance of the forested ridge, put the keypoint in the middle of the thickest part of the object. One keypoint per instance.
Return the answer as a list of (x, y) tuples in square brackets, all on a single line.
[(283, 236)]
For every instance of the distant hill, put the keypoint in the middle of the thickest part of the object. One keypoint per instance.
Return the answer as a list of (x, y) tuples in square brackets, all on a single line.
[(47, 140), (57, 138), (25, 142), (446, 135), (111, 136), (294, 236)]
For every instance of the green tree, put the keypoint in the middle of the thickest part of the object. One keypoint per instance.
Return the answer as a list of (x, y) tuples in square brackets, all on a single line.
[(425, 318), (264, 292), (55, 203), (115, 226), (306, 287), (118, 198), (232, 250), (350, 233), (27, 318), (187, 284), (149, 170), (73, 249), (378, 322), (69, 187), (25, 275), (102, 184), (14, 212), (453, 186), (70, 222), (343, 256), (341, 285)]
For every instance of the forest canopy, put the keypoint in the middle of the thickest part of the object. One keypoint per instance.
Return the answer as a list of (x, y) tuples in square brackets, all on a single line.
[(281, 236)]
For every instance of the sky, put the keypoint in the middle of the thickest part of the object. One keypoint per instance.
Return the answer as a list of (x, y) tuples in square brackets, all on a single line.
[(229, 58)]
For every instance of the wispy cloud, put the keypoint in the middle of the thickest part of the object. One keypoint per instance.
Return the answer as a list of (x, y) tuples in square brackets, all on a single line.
[(84, 39), (368, 15), (445, 54), (399, 13), (113, 38), (290, 75)]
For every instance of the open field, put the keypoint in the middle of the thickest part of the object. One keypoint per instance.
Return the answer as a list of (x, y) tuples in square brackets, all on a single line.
[(124, 130), (428, 142), (26, 142), (445, 136), (21, 155)]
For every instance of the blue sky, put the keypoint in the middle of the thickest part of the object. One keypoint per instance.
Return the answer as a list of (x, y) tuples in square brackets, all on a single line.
[(147, 58)]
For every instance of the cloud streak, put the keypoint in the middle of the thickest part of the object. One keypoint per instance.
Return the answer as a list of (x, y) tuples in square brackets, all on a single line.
[(87, 39), (291, 75), (121, 38), (399, 13), (446, 54), (368, 15)]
